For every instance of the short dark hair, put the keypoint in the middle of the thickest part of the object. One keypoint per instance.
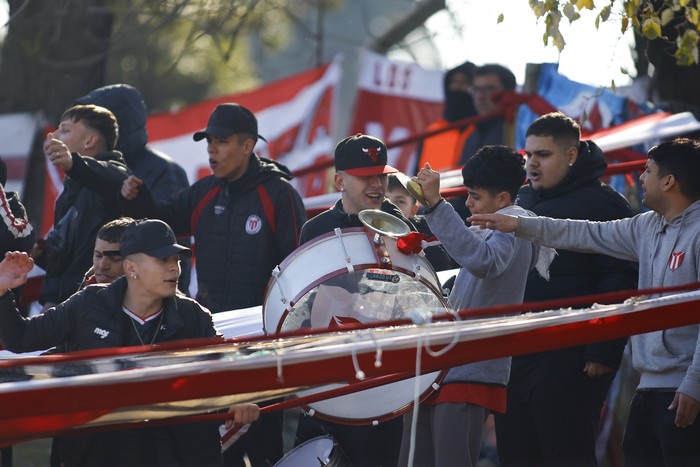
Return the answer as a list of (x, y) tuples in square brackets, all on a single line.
[(98, 118), (112, 231), (505, 76), (680, 158), (495, 168), (3, 172), (557, 125)]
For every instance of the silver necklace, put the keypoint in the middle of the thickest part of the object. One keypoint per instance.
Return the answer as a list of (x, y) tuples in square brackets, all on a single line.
[(138, 334)]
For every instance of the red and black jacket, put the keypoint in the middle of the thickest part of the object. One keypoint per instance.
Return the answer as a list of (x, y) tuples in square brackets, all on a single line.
[(242, 230)]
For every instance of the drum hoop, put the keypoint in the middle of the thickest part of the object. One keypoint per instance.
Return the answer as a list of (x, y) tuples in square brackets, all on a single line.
[(298, 448), (336, 273), (339, 272), (384, 417)]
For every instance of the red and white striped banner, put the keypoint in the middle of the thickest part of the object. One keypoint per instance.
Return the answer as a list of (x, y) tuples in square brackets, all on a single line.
[(130, 385)]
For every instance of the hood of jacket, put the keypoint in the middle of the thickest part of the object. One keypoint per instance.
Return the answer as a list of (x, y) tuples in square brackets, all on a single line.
[(127, 105), (458, 104), (259, 171), (589, 167)]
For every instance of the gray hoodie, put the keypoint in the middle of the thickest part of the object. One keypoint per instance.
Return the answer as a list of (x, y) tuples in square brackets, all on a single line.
[(494, 269), (668, 254)]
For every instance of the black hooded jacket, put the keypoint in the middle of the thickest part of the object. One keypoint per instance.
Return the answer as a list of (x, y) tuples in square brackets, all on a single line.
[(581, 195), (93, 319), (458, 104), (89, 200), (163, 175), (242, 230)]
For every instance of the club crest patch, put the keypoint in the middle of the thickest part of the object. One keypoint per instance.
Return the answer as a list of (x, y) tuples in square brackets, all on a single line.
[(676, 259), (253, 224)]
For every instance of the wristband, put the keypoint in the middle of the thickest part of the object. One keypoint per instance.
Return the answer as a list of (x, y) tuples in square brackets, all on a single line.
[(432, 208)]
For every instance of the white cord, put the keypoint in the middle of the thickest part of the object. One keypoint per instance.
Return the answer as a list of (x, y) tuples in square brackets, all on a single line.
[(280, 376), (359, 374), (448, 347), (416, 399), (378, 353)]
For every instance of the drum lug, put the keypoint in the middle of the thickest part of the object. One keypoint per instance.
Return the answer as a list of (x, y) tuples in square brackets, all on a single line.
[(348, 260), (283, 298), (416, 268)]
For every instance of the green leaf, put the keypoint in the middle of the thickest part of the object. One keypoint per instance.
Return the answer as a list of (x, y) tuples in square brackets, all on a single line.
[(666, 16), (569, 11), (538, 9), (588, 4), (624, 24), (500, 19), (651, 28)]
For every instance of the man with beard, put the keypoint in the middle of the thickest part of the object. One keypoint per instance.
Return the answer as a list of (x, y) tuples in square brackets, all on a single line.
[(661, 428)]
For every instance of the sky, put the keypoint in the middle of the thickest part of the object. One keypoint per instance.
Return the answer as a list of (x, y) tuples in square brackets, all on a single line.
[(591, 56)]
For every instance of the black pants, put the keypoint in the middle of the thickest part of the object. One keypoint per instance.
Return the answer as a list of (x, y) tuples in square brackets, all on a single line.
[(365, 446), (552, 418), (652, 438)]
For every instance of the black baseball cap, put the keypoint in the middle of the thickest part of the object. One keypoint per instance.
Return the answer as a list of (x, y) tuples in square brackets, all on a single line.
[(152, 237), (229, 119), (361, 155)]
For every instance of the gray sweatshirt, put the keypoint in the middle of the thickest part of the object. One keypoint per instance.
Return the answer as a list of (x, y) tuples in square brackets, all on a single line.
[(494, 269), (668, 254)]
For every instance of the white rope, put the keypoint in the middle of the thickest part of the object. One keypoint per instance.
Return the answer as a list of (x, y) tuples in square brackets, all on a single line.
[(359, 374), (416, 400), (448, 347), (378, 353), (278, 358)]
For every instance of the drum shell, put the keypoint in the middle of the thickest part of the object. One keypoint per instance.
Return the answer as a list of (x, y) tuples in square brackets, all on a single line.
[(326, 258), (322, 451)]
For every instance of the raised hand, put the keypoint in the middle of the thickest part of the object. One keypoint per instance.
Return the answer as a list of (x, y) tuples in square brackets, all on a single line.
[(430, 181), (14, 269), (58, 153)]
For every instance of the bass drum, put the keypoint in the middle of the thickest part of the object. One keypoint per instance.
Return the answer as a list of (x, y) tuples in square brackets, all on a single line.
[(345, 278), (321, 451)]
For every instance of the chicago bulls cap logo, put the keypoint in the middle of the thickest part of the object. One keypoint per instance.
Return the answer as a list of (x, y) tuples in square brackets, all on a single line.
[(373, 153)]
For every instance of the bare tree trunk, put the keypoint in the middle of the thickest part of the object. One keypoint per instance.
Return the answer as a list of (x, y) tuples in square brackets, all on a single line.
[(54, 52)]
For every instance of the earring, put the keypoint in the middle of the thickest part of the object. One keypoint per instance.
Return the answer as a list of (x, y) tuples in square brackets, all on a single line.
[(133, 276), (571, 164)]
